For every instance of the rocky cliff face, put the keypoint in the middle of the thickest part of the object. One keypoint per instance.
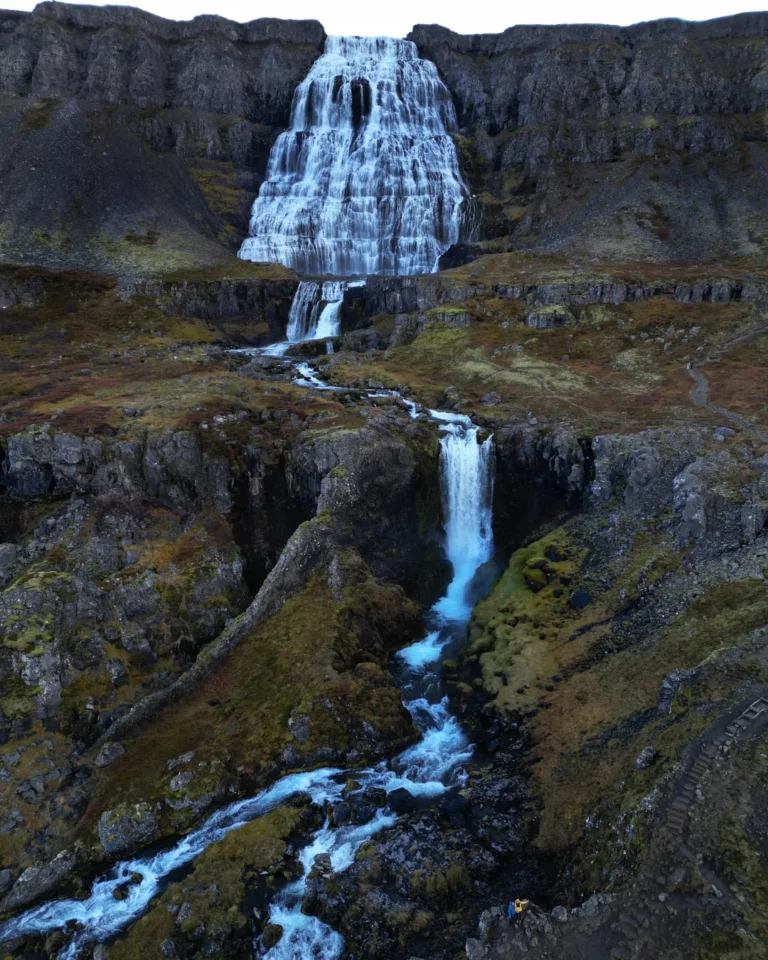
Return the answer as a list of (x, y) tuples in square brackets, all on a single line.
[(649, 136), (125, 56), (135, 142)]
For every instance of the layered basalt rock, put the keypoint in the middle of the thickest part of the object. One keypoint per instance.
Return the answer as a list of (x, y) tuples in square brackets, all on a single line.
[(587, 137), (134, 143), (209, 64)]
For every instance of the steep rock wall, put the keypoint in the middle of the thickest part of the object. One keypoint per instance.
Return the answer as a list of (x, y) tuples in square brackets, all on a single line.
[(136, 144), (646, 139)]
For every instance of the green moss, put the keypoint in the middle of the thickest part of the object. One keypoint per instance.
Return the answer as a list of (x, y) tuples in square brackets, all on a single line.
[(28, 635), (38, 113), (515, 630), (217, 887)]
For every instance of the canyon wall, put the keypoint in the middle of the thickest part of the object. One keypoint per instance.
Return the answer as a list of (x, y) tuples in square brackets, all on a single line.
[(135, 143), (644, 141)]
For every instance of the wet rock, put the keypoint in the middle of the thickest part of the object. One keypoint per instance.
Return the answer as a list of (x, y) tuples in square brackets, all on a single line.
[(322, 866), (376, 796), (5, 879), (108, 754), (341, 813), (401, 801), (37, 881), (560, 914), (272, 935), (127, 827), (580, 599)]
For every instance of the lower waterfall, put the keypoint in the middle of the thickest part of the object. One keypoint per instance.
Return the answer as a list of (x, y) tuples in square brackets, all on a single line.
[(428, 769), (316, 310)]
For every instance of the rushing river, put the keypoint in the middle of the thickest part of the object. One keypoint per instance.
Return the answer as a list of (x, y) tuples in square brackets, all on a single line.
[(427, 769)]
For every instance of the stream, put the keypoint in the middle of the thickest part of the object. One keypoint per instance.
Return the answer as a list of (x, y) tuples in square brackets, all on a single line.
[(428, 769)]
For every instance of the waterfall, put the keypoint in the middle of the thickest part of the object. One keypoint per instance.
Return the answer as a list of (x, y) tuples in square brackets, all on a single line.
[(366, 179), (316, 310), (467, 490), (427, 769)]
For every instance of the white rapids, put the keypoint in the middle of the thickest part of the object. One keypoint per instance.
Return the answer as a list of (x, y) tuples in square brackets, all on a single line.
[(428, 769), (366, 179)]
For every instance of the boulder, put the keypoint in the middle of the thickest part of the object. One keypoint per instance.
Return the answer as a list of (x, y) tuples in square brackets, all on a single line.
[(646, 758), (127, 827), (108, 754), (401, 801), (39, 880)]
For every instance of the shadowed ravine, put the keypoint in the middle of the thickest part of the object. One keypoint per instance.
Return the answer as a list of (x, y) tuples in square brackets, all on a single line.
[(427, 769)]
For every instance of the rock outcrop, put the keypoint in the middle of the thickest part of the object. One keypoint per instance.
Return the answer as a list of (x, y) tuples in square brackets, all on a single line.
[(137, 143), (210, 64), (585, 137)]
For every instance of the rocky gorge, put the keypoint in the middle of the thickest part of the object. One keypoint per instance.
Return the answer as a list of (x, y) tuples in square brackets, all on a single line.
[(210, 570)]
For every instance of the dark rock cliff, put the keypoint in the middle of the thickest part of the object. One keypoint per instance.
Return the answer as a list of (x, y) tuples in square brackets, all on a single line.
[(124, 56), (135, 143), (647, 139)]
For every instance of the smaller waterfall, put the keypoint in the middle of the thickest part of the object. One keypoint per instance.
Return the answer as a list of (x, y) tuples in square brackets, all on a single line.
[(467, 492), (429, 768), (304, 308), (316, 310)]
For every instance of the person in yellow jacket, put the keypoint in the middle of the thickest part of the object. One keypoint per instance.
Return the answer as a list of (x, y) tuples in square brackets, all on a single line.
[(515, 908)]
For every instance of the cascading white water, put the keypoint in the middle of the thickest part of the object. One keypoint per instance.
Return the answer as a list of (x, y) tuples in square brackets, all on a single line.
[(465, 467), (427, 769), (366, 179), (434, 764), (316, 310)]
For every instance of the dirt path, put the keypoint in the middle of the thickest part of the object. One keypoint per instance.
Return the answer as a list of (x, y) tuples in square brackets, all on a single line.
[(700, 391)]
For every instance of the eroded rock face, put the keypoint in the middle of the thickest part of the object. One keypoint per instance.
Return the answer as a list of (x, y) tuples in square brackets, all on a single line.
[(616, 127), (209, 63), (145, 137), (505, 81)]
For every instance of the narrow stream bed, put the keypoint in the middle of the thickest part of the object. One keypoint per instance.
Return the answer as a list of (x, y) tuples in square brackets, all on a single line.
[(428, 769)]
